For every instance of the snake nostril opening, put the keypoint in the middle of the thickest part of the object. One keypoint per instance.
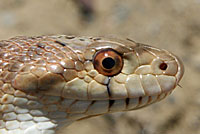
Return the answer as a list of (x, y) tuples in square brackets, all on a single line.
[(163, 66)]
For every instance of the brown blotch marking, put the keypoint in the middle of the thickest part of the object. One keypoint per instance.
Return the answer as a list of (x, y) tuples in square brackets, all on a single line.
[(49, 81), (26, 82), (51, 84)]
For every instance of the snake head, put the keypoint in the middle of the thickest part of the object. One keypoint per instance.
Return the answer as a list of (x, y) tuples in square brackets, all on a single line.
[(131, 74), (55, 80), (98, 75), (118, 74)]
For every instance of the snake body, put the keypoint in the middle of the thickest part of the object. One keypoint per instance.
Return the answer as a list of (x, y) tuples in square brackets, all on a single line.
[(47, 82)]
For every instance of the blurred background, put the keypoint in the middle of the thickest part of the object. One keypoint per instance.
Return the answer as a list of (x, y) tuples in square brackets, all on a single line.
[(170, 24)]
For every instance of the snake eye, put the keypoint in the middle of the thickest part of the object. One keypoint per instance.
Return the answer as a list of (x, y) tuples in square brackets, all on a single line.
[(108, 62)]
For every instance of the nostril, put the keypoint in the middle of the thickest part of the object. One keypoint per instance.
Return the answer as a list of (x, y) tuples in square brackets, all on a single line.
[(163, 66)]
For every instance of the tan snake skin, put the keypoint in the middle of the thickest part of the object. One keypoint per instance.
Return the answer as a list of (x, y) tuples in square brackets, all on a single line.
[(50, 81)]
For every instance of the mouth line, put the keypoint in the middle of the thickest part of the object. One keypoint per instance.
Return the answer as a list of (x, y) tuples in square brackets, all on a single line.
[(138, 102), (116, 105), (100, 107)]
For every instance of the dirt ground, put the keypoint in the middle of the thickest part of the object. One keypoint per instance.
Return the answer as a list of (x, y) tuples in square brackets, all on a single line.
[(170, 24)]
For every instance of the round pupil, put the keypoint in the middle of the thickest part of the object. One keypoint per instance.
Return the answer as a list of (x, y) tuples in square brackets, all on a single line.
[(108, 63)]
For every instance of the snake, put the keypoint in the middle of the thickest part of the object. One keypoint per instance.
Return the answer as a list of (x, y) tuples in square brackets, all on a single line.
[(49, 82)]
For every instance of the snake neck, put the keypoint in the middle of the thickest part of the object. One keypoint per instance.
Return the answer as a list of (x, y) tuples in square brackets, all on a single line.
[(26, 114)]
